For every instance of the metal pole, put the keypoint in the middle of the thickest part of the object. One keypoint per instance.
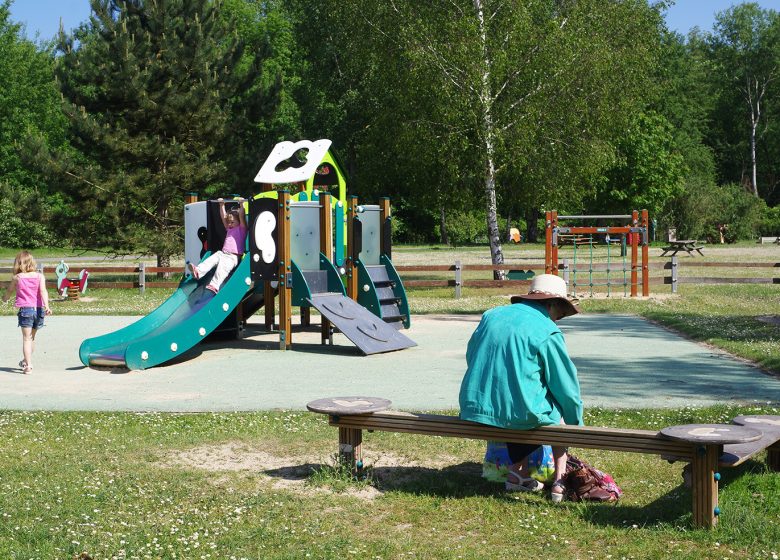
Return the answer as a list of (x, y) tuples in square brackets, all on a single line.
[(142, 277), (566, 274), (634, 254), (674, 274), (458, 279), (645, 256)]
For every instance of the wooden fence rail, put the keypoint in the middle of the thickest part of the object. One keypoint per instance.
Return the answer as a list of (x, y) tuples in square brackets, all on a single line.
[(672, 278)]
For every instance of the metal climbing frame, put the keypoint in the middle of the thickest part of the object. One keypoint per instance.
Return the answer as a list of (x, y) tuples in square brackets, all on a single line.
[(638, 230)]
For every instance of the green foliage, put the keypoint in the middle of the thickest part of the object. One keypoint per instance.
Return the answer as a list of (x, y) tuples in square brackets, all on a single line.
[(705, 209), (744, 57), (649, 171), (29, 104), (19, 229), (150, 89), (465, 227), (438, 105), (770, 222)]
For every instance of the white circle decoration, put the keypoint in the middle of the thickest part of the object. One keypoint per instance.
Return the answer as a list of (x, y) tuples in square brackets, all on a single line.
[(247, 280), (144, 355), (174, 347), (225, 307), (202, 331), (264, 226), (366, 287), (256, 257)]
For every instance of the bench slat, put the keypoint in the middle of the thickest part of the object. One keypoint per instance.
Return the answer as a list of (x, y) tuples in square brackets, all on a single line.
[(634, 441)]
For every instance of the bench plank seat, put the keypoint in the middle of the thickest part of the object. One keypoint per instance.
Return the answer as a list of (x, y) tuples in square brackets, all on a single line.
[(704, 446), (613, 439)]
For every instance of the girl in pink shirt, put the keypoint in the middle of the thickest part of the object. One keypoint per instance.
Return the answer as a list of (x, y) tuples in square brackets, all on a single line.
[(32, 300), (232, 249)]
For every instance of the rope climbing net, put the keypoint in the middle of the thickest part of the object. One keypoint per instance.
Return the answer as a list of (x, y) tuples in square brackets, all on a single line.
[(602, 267)]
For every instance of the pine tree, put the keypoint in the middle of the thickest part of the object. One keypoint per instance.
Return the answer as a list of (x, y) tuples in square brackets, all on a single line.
[(151, 90)]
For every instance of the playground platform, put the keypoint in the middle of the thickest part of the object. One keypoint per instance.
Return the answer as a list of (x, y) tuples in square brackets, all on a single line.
[(624, 362)]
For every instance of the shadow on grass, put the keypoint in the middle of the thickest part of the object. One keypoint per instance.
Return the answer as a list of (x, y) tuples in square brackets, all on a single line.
[(464, 480)]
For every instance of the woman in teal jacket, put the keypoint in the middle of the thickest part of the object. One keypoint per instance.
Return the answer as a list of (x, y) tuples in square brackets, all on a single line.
[(520, 375)]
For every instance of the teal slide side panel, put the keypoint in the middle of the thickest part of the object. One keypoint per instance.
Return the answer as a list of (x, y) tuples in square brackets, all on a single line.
[(143, 325), (335, 284), (167, 343), (368, 298), (398, 289), (136, 329), (339, 226), (300, 289)]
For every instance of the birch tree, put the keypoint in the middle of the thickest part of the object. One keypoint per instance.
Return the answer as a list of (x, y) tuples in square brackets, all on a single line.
[(513, 87), (746, 49)]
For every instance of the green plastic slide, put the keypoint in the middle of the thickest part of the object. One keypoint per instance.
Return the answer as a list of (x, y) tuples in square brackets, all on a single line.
[(181, 322)]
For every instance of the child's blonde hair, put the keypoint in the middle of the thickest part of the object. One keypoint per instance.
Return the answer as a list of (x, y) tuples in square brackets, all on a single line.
[(24, 262)]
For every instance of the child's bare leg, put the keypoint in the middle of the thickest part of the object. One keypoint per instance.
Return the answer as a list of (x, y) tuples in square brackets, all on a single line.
[(28, 337), (560, 456)]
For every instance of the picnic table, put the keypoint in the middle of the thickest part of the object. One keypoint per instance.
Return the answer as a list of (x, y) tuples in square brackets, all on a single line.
[(687, 245)]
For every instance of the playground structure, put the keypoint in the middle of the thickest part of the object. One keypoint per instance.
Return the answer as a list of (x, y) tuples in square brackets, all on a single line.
[(636, 233), (290, 256), (70, 287)]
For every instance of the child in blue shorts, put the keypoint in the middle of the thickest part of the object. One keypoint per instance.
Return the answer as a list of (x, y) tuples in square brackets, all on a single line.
[(32, 300)]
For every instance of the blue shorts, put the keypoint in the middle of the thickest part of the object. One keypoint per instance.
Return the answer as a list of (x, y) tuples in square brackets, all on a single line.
[(31, 317)]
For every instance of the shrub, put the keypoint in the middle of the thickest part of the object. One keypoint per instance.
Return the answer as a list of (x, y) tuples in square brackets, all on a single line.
[(466, 227), (770, 222)]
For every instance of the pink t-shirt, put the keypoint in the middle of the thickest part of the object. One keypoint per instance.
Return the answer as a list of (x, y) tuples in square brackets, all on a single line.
[(235, 240), (28, 291)]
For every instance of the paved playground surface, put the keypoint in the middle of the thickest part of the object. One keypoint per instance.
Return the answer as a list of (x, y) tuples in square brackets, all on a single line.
[(623, 361)]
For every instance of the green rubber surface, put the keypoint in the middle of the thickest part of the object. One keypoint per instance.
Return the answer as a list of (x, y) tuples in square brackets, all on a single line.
[(623, 362)]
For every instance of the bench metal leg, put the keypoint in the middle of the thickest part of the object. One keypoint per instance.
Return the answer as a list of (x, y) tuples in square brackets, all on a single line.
[(351, 447), (704, 469)]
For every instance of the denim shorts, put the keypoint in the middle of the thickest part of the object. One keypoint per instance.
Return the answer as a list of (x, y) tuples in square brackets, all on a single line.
[(31, 317)]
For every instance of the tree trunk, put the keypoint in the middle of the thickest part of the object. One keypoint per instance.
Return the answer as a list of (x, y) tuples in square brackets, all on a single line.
[(532, 225), (163, 261), (445, 239), (494, 236), (753, 181)]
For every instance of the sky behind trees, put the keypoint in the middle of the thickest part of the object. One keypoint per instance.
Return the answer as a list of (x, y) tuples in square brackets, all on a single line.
[(42, 17)]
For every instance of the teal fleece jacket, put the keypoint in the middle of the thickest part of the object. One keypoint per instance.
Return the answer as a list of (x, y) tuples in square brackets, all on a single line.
[(519, 372)]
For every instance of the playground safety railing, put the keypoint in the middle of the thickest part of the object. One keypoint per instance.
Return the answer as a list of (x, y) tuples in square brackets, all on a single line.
[(671, 273)]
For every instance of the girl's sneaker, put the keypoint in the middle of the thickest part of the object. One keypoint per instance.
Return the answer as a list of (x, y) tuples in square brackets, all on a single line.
[(22, 364), (516, 483)]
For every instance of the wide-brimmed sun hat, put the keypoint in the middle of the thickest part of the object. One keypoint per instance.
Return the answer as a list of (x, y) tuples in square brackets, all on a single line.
[(550, 286)]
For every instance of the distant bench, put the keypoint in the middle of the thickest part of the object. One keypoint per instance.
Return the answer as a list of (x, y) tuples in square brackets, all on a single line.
[(702, 445), (775, 239)]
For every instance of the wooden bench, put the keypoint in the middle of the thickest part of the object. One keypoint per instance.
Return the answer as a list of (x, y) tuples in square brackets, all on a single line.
[(771, 239), (352, 415)]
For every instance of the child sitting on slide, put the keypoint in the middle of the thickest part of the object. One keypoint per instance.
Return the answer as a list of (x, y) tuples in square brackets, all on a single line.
[(232, 250)]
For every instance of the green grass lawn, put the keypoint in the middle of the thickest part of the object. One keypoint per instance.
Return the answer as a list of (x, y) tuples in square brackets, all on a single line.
[(265, 485), (262, 485)]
